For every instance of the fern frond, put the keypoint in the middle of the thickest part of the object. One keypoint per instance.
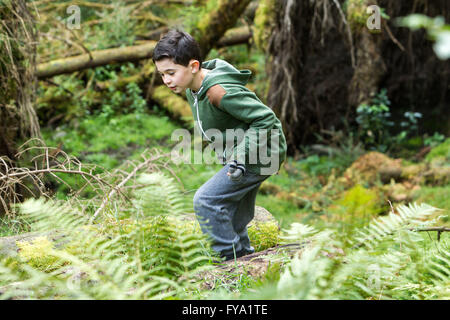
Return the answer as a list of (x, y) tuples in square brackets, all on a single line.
[(408, 216), (297, 232)]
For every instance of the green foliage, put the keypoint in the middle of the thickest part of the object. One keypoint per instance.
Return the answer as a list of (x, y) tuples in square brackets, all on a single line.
[(12, 226), (357, 207), (440, 152), (117, 100), (342, 151), (108, 142), (191, 17), (99, 134), (434, 140), (69, 96), (64, 97), (376, 128), (436, 29), (116, 29), (150, 256), (283, 209), (316, 165), (389, 262), (436, 196)]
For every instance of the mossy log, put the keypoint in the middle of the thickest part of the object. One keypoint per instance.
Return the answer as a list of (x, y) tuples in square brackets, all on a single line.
[(174, 104), (99, 58), (208, 33), (235, 36), (254, 265), (95, 59)]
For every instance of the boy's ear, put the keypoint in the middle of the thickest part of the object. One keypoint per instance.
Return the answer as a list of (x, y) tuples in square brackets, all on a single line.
[(195, 65)]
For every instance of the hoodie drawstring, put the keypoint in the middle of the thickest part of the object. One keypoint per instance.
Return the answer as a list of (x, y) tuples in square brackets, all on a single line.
[(198, 117), (199, 122)]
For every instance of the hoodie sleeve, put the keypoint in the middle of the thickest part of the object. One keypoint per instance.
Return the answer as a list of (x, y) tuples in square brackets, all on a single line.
[(245, 106)]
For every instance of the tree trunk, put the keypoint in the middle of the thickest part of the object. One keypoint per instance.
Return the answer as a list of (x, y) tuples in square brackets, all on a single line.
[(370, 67), (213, 25), (17, 85), (324, 62)]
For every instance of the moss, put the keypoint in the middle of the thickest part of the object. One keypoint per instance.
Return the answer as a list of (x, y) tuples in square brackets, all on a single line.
[(177, 106), (269, 188), (437, 176), (264, 235), (264, 22), (356, 13), (38, 253), (366, 169), (440, 153), (412, 171)]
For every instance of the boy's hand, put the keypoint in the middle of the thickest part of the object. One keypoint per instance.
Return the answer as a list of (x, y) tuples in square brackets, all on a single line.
[(236, 170)]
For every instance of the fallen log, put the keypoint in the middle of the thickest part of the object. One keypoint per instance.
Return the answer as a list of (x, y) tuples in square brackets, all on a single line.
[(95, 59), (177, 106), (99, 58), (209, 31), (234, 37)]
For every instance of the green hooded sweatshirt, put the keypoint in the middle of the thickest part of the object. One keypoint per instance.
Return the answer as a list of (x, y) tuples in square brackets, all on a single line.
[(238, 109)]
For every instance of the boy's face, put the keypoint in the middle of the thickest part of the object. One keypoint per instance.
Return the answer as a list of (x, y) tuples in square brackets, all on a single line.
[(176, 76)]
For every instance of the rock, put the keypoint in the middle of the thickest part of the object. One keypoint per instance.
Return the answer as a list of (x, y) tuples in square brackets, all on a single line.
[(261, 216), (8, 245)]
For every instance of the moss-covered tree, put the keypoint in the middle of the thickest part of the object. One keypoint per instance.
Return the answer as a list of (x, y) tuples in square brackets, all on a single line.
[(17, 81)]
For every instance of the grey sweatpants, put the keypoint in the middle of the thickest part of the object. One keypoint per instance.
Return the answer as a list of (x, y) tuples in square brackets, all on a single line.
[(225, 207)]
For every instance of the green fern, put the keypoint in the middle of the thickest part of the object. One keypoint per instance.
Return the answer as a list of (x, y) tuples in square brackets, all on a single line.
[(152, 255), (395, 262), (407, 217)]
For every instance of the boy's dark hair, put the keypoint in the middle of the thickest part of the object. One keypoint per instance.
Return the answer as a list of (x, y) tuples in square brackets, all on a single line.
[(179, 46)]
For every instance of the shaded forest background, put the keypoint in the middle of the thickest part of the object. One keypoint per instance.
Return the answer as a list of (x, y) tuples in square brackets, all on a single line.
[(331, 73), (321, 60)]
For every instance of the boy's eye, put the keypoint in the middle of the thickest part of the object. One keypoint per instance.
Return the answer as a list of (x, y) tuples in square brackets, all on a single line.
[(169, 73)]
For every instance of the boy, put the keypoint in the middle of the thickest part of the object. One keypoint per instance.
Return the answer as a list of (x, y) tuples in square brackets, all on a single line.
[(219, 100)]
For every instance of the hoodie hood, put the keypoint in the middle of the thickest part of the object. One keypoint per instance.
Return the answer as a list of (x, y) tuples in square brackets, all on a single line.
[(224, 73)]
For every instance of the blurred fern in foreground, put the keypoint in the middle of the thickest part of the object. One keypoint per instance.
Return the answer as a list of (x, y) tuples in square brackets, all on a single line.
[(388, 260), (149, 256)]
